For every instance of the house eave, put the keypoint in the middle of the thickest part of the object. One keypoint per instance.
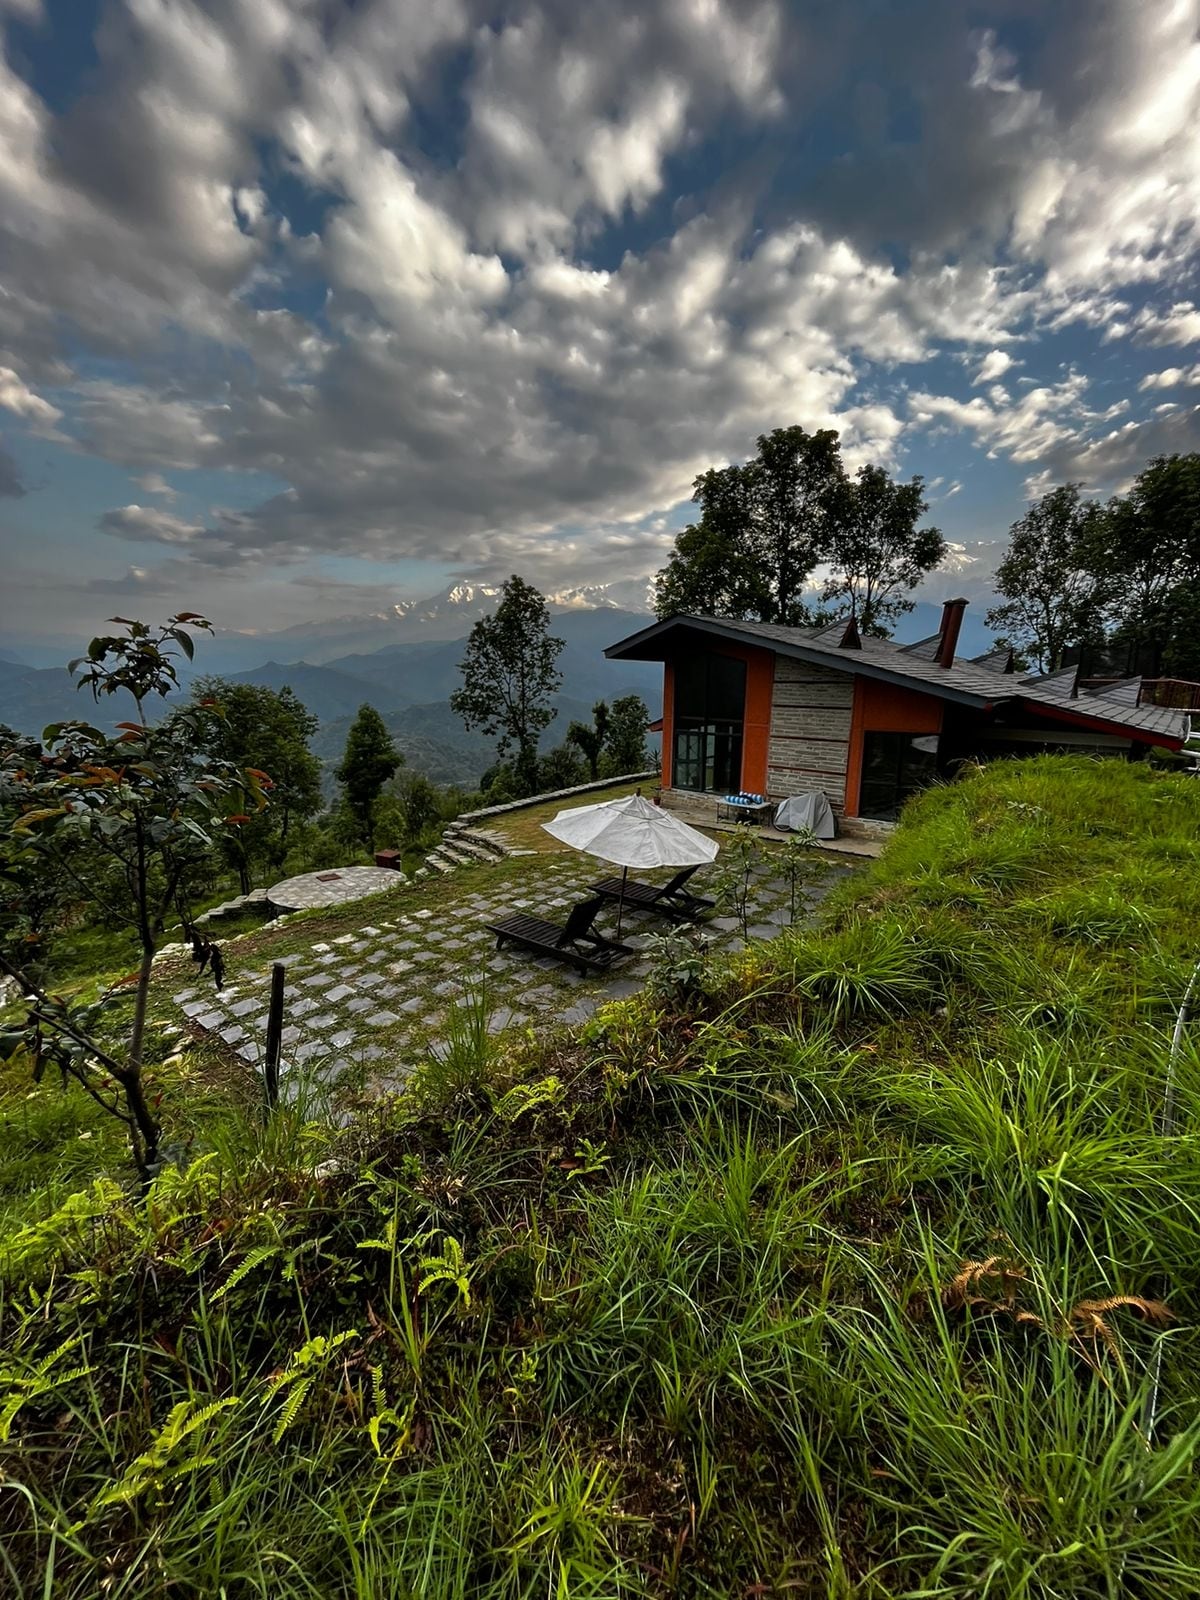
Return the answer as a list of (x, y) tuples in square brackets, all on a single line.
[(636, 648), (1102, 724)]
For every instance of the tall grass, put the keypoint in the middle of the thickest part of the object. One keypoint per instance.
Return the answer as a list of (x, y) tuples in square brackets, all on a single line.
[(842, 1277)]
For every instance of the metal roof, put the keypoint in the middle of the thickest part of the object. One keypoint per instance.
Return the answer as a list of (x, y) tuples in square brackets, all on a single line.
[(965, 683)]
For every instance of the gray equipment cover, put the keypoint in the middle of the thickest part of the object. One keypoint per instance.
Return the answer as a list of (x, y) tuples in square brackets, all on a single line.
[(807, 811)]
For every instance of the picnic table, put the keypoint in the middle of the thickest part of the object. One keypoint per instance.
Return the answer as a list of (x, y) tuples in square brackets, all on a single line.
[(752, 808)]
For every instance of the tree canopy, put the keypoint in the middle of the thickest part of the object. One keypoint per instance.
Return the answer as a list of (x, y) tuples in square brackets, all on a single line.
[(1051, 579), (254, 726), (877, 549), (369, 760), (1118, 583), (509, 673), (625, 737), (589, 738), (768, 523)]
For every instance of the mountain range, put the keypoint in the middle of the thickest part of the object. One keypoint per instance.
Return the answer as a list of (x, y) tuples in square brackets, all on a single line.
[(404, 660)]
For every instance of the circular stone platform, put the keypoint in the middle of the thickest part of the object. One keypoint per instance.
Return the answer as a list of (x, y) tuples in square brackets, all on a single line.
[(337, 887)]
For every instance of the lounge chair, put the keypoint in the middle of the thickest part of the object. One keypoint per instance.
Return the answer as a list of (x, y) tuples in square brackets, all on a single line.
[(668, 899), (574, 942)]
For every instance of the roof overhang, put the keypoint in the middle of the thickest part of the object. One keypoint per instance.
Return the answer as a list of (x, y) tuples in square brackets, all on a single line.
[(661, 640), (1102, 724)]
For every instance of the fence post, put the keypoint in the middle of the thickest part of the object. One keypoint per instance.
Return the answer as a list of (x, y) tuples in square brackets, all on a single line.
[(274, 1035)]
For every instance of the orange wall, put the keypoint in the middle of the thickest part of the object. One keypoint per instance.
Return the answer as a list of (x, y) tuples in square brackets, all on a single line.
[(668, 733), (756, 735), (885, 708)]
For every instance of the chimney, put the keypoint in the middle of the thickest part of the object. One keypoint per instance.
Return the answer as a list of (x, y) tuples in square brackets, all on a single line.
[(952, 615)]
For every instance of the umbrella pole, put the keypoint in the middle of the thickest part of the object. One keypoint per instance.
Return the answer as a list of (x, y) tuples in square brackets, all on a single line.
[(621, 901)]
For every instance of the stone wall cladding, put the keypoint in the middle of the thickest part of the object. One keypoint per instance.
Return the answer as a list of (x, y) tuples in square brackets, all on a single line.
[(811, 708)]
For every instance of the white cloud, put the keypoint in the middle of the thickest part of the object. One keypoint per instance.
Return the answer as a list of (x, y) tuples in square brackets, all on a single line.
[(16, 396), (155, 483), (482, 284), (1172, 378), (1176, 324), (994, 365), (149, 523)]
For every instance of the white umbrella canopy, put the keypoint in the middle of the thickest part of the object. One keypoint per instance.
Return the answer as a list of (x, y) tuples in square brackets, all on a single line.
[(632, 833)]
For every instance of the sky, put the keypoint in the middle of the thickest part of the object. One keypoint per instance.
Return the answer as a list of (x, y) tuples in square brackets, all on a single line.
[(307, 306)]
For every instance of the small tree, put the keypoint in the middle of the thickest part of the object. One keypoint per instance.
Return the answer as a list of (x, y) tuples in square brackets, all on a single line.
[(509, 675), (876, 549), (625, 737), (256, 727), (559, 768), (420, 806), (370, 759), (149, 802), (589, 740), (1054, 596), (800, 865)]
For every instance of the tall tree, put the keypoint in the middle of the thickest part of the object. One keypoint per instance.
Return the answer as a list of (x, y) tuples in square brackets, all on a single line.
[(625, 737), (764, 527), (130, 818), (1055, 593), (1150, 560), (509, 675), (369, 760), (877, 550), (588, 738), (254, 726)]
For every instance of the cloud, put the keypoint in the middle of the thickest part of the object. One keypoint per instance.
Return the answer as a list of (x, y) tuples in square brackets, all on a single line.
[(134, 581), (150, 524), (16, 396), (489, 284), (994, 365), (155, 483), (1172, 378), (1176, 324)]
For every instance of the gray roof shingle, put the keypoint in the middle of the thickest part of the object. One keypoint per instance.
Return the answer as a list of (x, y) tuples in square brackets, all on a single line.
[(967, 682)]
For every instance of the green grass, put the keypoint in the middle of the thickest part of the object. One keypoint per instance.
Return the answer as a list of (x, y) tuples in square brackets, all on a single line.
[(804, 1290), (523, 829)]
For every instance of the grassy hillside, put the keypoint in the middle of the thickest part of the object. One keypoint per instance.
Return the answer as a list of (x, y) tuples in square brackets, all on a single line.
[(843, 1271)]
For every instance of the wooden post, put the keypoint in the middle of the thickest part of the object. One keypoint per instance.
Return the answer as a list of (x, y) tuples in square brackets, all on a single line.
[(274, 1035)]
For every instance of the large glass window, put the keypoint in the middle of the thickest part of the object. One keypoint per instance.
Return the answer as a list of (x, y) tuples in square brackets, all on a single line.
[(894, 766), (710, 708)]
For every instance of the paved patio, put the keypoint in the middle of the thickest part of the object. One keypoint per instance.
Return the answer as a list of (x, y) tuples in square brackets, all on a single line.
[(365, 1006)]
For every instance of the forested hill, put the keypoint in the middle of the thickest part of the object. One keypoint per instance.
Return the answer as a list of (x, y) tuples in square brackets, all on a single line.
[(409, 684)]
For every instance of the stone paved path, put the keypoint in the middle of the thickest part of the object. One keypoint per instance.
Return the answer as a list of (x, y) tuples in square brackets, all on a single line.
[(374, 1001)]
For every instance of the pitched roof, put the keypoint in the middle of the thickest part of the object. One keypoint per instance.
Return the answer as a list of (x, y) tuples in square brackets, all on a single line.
[(970, 683)]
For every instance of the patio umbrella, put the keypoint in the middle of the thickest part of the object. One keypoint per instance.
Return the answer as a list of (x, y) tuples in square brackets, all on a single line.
[(632, 833)]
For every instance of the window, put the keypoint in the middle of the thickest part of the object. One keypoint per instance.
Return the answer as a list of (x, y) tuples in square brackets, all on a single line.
[(710, 707), (894, 765)]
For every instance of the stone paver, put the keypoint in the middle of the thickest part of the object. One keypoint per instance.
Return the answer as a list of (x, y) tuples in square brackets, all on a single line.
[(344, 994)]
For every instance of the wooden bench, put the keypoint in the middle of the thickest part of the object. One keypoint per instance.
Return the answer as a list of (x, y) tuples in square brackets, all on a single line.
[(574, 942)]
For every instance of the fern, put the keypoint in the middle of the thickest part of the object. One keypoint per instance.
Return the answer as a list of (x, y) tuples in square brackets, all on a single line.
[(155, 1468), (38, 1380), (256, 1257), (301, 1373)]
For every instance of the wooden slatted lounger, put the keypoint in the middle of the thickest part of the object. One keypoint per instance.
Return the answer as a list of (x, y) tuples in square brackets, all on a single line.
[(668, 899), (575, 942)]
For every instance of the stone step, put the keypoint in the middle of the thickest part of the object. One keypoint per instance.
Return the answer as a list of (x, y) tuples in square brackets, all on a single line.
[(458, 856), (461, 846), (439, 861), (490, 843)]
